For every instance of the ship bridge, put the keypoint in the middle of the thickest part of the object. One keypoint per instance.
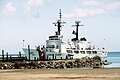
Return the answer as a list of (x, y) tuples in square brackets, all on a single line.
[(56, 37)]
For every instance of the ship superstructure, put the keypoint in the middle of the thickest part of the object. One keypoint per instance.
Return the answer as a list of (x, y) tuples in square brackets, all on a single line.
[(56, 48)]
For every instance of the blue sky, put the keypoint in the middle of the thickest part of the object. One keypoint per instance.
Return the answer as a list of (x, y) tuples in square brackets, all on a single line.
[(31, 20)]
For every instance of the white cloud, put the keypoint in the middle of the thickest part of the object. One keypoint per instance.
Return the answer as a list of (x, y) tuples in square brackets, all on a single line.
[(84, 12), (112, 6), (89, 2), (9, 8), (80, 12), (33, 4)]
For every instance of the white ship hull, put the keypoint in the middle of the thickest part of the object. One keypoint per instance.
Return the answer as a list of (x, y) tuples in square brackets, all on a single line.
[(74, 55), (54, 55)]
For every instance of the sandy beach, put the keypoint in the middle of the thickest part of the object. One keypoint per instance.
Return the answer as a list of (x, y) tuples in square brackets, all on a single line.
[(61, 74)]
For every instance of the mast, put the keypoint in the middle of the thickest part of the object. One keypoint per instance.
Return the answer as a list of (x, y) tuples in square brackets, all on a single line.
[(60, 15), (59, 24), (77, 24)]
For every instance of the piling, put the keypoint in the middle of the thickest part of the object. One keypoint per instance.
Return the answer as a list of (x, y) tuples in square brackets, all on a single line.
[(10, 58), (7, 56), (2, 55), (29, 51), (19, 54)]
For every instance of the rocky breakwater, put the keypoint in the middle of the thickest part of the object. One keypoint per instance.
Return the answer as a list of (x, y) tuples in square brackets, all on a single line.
[(84, 62)]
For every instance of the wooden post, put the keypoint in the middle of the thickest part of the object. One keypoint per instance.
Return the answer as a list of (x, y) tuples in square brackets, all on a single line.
[(29, 51), (2, 55), (10, 58), (7, 56), (47, 57), (53, 56), (19, 54), (34, 58)]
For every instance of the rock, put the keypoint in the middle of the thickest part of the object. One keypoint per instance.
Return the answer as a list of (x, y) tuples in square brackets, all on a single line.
[(84, 62)]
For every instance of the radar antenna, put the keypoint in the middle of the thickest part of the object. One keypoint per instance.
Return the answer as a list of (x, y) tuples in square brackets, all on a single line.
[(59, 23), (77, 24)]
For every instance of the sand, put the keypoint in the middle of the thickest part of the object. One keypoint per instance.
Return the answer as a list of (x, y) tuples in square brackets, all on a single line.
[(61, 74)]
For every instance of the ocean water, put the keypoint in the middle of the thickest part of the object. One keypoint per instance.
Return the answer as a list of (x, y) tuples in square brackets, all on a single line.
[(113, 57)]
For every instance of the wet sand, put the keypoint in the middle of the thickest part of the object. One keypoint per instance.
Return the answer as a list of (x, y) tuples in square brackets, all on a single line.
[(61, 74)]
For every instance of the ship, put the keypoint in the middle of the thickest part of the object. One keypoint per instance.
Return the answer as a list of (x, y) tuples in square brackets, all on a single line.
[(57, 49)]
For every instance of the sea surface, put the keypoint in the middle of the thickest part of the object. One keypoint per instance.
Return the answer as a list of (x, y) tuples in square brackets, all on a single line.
[(113, 57)]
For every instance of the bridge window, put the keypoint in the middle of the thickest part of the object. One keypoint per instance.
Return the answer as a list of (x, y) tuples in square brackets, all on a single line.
[(50, 46), (77, 52), (94, 52), (82, 52), (88, 52), (69, 51)]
